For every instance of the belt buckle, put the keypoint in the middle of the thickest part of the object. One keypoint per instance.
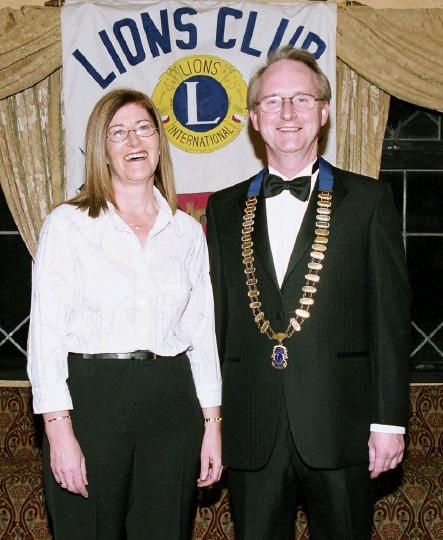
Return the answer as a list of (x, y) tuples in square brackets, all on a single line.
[(142, 355)]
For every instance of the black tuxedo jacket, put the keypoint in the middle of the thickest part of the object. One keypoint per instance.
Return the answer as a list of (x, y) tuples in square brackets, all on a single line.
[(348, 366)]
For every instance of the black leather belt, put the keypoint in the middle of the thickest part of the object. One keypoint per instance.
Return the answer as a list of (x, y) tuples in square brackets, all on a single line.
[(134, 355)]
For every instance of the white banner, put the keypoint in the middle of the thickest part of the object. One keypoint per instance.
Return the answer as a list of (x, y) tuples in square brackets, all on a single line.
[(194, 58)]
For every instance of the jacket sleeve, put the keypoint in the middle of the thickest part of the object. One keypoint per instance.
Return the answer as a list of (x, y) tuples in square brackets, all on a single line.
[(216, 271), (389, 297)]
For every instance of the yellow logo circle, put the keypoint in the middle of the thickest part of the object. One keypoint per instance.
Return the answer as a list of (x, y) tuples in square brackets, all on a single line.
[(202, 103)]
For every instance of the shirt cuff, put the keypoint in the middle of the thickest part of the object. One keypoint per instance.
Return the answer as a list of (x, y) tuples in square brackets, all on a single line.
[(209, 397), (51, 398), (385, 428)]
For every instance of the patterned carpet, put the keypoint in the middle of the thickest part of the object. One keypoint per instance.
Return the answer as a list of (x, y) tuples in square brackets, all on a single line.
[(410, 503)]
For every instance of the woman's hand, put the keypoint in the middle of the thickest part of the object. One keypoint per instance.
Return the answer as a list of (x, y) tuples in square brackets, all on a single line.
[(210, 455), (67, 460)]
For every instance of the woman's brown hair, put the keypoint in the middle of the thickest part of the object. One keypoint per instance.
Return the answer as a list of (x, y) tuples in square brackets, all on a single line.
[(97, 191)]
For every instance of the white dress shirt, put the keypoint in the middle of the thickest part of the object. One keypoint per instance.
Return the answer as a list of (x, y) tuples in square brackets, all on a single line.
[(96, 290), (283, 234)]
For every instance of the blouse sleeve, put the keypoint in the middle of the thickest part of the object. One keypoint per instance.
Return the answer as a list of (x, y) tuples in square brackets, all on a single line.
[(52, 279), (197, 323)]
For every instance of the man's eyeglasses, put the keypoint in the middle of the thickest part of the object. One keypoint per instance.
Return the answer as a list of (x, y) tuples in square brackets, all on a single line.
[(119, 134), (299, 102)]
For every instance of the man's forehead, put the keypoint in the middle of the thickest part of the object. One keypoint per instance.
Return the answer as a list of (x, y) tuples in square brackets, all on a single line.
[(288, 73), (287, 68)]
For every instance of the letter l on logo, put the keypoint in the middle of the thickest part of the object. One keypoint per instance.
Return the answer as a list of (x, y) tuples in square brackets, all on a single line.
[(191, 93)]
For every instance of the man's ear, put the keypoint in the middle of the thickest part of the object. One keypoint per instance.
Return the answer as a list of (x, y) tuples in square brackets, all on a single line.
[(324, 112), (254, 119)]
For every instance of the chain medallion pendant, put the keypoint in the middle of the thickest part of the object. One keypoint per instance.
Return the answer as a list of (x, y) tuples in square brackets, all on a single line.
[(279, 356)]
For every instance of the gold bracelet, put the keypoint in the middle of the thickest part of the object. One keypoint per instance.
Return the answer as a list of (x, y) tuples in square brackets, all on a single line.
[(58, 418), (217, 419)]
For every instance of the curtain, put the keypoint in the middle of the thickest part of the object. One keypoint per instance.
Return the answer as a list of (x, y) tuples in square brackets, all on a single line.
[(362, 114), (32, 155), (30, 48), (398, 50)]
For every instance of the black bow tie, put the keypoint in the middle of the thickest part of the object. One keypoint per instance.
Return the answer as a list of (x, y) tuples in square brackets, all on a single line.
[(299, 187)]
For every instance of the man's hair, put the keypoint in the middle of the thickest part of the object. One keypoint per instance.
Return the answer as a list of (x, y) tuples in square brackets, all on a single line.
[(289, 53), (97, 191)]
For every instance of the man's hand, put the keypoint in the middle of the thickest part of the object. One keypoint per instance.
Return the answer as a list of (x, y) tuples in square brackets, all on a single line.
[(385, 452)]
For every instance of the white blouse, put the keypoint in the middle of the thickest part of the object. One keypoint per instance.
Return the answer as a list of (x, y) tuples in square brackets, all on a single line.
[(96, 290)]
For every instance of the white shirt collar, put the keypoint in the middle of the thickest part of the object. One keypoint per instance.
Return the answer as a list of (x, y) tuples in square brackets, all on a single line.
[(304, 172)]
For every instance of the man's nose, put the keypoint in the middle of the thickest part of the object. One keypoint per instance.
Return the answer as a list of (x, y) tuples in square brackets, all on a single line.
[(287, 110)]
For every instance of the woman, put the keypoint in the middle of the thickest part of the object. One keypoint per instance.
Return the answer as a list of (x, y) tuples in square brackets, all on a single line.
[(122, 304)]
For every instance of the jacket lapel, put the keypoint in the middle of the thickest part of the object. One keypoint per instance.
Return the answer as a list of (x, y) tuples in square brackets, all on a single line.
[(306, 234), (262, 247)]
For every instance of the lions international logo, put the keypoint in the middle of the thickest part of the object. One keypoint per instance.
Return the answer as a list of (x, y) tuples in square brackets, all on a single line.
[(202, 103)]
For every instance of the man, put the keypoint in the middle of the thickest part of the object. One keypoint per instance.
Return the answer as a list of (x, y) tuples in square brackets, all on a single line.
[(312, 319)]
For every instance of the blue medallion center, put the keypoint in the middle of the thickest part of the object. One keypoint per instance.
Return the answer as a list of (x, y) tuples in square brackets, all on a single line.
[(279, 355), (200, 103)]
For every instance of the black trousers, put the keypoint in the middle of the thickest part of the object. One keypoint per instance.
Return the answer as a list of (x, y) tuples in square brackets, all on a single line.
[(140, 427), (339, 502)]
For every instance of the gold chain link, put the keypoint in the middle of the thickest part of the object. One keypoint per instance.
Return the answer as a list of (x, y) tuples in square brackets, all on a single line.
[(315, 265)]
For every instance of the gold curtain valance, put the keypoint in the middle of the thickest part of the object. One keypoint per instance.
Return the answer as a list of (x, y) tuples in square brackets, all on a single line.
[(30, 48), (397, 50)]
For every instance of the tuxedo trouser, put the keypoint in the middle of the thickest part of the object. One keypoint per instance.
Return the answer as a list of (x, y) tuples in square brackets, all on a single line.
[(339, 502), (139, 425)]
